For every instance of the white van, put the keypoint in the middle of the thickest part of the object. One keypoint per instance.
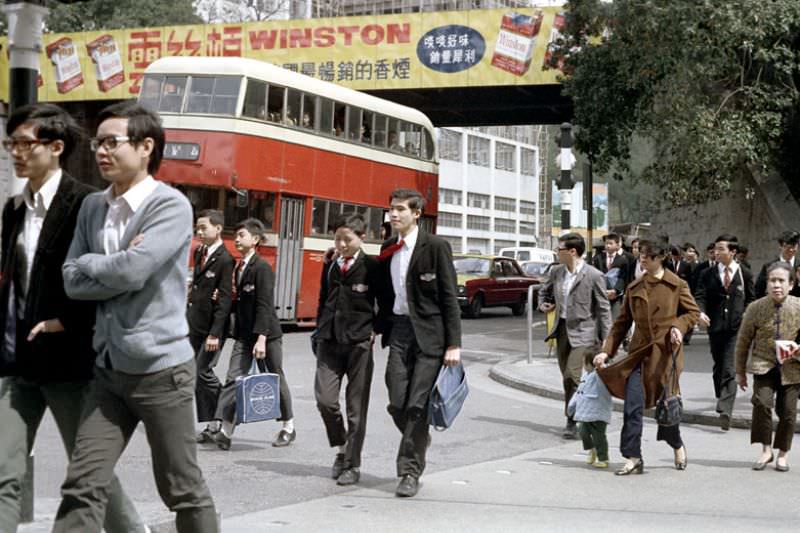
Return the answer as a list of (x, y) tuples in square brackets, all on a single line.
[(524, 253)]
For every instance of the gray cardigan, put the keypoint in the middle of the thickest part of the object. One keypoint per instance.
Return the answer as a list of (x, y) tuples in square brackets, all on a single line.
[(141, 290)]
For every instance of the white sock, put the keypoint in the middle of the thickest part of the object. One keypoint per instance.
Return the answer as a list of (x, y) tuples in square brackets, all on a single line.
[(288, 425), (227, 429), (342, 448), (214, 426)]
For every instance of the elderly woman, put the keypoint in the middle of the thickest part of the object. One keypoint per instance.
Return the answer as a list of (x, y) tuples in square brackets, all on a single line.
[(773, 317), (663, 310)]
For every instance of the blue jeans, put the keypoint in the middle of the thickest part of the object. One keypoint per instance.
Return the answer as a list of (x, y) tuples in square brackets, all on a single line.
[(631, 437)]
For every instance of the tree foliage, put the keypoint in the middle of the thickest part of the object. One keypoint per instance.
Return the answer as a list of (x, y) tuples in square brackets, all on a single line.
[(240, 10), (111, 15), (712, 86)]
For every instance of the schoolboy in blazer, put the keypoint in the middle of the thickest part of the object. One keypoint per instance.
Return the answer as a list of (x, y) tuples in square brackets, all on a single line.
[(50, 366), (256, 332), (421, 323), (722, 309), (208, 311), (345, 321)]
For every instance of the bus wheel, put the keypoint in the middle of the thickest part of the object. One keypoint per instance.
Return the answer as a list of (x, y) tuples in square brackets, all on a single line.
[(475, 307)]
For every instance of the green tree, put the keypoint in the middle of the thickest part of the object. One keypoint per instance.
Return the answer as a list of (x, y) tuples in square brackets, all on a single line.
[(111, 15), (712, 86)]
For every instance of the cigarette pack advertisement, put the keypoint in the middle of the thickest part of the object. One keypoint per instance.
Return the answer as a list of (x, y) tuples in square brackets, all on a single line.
[(107, 62), (64, 56), (516, 41)]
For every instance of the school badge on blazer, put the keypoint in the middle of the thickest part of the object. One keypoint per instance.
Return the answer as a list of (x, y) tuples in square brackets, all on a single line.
[(257, 398)]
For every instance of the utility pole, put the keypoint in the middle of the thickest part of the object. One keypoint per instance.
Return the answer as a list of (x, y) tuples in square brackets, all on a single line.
[(566, 162), (25, 20)]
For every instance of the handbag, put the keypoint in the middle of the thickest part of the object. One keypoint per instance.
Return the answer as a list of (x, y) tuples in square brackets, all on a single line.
[(669, 407), (257, 396), (447, 396)]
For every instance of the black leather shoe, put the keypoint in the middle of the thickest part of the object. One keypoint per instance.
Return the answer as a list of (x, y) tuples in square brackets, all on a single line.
[(408, 487), (349, 477), (570, 430), (761, 465), (338, 466), (725, 421), (284, 438), (223, 441), (206, 436)]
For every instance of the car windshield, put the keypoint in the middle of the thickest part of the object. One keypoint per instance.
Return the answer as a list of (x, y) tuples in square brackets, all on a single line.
[(471, 265), (534, 268)]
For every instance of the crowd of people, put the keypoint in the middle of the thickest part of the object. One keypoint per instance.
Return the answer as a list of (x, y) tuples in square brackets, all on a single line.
[(101, 328), (649, 301)]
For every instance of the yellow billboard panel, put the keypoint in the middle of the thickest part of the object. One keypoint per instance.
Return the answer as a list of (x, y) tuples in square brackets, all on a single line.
[(408, 51)]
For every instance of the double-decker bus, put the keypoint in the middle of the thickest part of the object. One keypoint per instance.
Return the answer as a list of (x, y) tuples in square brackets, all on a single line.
[(256, 140)]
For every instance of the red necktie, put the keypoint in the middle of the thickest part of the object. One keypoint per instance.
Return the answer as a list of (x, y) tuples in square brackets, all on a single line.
[(390, 250), (236, 271), (203, 253), (609, 261), (726, 280), (346, 264)]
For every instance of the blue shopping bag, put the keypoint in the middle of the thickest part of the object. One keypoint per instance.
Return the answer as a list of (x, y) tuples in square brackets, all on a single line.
[(447, 396), (257, 396)]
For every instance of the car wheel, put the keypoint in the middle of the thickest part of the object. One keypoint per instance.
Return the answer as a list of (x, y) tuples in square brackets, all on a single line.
[(518, 309), (475, 306)]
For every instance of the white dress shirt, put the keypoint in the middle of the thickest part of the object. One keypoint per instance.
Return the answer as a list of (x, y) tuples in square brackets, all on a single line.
[(36, 206), (341, 260), (246, 259), (120, 211), (399, 270), (210, 250), (734, 267), (569, 281)]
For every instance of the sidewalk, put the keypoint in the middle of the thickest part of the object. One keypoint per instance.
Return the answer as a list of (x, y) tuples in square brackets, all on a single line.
[(543, 378)]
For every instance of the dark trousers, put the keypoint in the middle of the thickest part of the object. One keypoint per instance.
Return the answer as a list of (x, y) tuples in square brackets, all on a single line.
[(241, 362), (208, 386), (162, 401), (410, 375), (571, 362), (768, 393), (334, 361), (723, 345), (22, 406), (633, 423), (593, 435)]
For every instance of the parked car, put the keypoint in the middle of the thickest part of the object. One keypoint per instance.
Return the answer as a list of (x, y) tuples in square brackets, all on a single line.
[(491, 281)]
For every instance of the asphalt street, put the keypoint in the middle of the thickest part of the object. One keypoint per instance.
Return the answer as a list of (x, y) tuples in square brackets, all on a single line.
[(502, 467)]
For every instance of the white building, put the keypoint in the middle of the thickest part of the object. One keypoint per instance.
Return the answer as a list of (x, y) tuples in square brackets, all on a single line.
[(488, 191)]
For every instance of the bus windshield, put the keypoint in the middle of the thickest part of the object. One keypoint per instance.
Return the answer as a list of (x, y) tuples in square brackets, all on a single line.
[(212, 95)]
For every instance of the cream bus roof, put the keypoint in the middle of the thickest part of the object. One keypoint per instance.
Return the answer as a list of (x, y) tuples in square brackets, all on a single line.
[(272, 73)]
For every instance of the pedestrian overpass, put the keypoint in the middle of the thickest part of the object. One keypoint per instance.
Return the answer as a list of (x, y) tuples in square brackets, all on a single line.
[(461, 68)]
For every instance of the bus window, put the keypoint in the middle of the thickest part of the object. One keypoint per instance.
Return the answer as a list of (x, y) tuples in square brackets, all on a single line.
[(309, 111), (226, 94), (393, 139), (262, 207), (200, 91), (366, 123), (172, 95), (380, 131), (354, 127), (410, 138), (293, 107), (375, 221), (334, 210), (339, 112), (201, 198), (428, 146), (151, 91), (255, 100), (233, 213), (275, 104), (318, 217), (326, 116)]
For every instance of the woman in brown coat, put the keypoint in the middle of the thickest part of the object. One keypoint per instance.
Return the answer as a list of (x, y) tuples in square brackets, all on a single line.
[(662, 307)]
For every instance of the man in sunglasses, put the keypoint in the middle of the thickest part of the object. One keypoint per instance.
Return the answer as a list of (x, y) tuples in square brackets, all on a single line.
[(46, 355)]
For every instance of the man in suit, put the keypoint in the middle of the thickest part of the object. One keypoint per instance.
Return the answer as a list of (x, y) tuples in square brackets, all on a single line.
[(723, 293), (614, 257), (680, 267), (577, 291), (701, 267), (420, 320), (207, 311), (788, 241), (49, 364)]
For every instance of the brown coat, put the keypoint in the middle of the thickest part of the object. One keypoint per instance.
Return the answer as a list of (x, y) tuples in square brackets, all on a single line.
[(669, 304)]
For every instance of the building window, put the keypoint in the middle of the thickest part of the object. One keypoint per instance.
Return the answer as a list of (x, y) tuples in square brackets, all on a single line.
[(527, 228), (527, 208), (478, 200), (478, 222), (449, 197), (527, 244), (504, 157), (478, 151), (505, 225), (498, 245), (502, 203), (477, 246), (528, 162), (449, 145), (449, 220), (455, 242)]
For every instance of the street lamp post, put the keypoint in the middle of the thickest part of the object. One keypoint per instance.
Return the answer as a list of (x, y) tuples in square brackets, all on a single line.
[(25, 20), (566, 162)]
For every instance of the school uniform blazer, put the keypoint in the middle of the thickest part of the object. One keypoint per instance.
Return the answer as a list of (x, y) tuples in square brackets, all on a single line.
[(255, 303), (50, 357), (208, 315), (724, 308), (685, 270), (346, 311), (431, 290)]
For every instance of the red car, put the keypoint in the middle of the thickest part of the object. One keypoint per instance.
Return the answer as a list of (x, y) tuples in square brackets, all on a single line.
[(491, 281)]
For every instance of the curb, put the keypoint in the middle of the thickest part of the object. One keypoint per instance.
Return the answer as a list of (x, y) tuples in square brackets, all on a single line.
[(507, 378)]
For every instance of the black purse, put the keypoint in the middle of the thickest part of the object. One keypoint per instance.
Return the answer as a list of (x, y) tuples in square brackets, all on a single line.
[(670, 407)]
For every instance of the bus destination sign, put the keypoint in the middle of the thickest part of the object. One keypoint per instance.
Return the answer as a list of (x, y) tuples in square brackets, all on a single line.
[(182, 151)]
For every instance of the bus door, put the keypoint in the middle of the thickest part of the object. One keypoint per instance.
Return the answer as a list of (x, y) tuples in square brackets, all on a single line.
[(290, 257)]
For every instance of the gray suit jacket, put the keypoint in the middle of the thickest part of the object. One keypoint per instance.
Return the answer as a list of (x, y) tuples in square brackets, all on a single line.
[(588, 309)]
